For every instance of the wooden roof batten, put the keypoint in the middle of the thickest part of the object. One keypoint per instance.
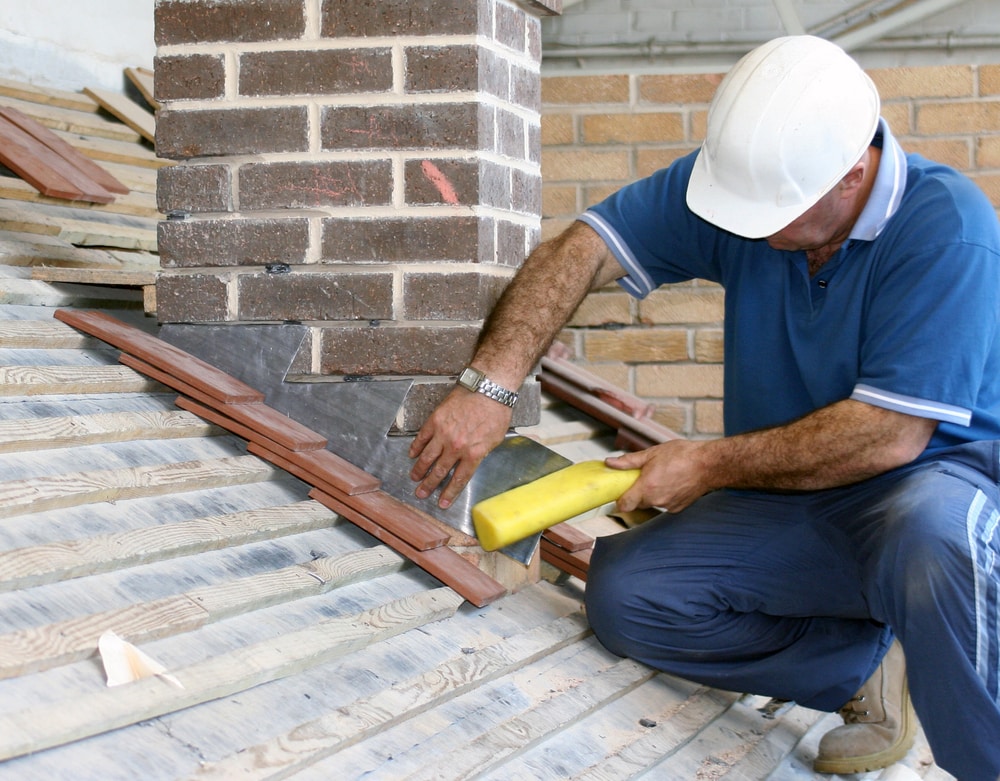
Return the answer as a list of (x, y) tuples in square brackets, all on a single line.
[(306, 646)]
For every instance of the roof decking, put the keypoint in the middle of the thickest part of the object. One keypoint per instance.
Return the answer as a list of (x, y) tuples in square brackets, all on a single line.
[(304, 646)]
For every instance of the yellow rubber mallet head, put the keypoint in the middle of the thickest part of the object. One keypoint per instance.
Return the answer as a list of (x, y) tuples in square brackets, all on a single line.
[(533, 507)]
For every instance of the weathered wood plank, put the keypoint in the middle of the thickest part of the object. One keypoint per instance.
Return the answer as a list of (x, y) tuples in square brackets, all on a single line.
[(66, 559), (44, 647), (133, 115), (45, 726), (76, 430), (314, 741), (72, 121), (46, 252), (42, 334), (142, 78), (542, 722), (33, 93), (135, 203), (182, 365), (443, 563), (686, 709), (108, 230), (39, 380), (51, 492), (97, 276)]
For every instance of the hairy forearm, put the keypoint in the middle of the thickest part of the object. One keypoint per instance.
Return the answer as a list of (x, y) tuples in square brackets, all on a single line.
[(844, 443), (540, 299)]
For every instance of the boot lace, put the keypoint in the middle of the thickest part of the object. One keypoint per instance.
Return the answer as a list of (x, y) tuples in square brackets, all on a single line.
[(854, 710)]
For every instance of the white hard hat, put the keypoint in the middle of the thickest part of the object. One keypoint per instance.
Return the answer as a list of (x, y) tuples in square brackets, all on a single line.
[(786, 124)]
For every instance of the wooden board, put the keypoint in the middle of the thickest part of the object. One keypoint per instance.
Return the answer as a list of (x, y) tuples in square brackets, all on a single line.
[(442, 562), (72, 121), (33, 93), (46, 171), (133, 115), (134, 204), (142, 78), (182, 365), (50, 492), (100, 229), (398, 519), (66, 559), (45, 726), (309, 743), (47, 380), (69, 153), (42, 334), (51, 645), (96, 276), (258, 422), (77, 430)]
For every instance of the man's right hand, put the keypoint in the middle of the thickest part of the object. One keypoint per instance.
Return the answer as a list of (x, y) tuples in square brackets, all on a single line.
[(459, 434)]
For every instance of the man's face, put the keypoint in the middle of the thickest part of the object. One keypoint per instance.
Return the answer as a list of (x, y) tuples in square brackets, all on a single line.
[(821, 226)]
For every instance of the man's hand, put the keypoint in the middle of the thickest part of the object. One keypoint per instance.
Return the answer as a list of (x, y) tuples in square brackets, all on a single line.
[(673, 476), (458, 435)]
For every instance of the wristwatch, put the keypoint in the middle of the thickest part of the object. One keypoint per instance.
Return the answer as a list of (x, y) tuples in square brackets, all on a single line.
[(474, 380)]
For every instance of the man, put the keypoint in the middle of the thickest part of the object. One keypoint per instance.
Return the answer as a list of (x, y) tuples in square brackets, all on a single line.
[(850, 513)]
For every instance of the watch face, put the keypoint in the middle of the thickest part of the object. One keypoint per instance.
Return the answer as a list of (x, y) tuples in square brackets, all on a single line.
[(469, 378)]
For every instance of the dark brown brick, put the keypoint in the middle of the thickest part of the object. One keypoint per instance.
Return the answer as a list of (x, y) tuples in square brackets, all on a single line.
[(494, 75), (191, 298), (447, 126), (426, 393), (404, 17), (526, 192), (495, 185), (189, 77), (535, 38), (511, 27), (323, 72), (442, 68), (403, 240), (387, 349), (306, 185), (194, 188), (225, 132), (442, 181), (512, 243), (316, 295), (511, 129), (201, 21), (444, 295), (233, 242), (525, 88)]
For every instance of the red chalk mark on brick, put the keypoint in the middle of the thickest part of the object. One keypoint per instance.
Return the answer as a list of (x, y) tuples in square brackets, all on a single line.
[(440, 181)]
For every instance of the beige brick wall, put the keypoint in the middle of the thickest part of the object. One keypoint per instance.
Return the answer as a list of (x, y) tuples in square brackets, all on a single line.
[(601, 132)]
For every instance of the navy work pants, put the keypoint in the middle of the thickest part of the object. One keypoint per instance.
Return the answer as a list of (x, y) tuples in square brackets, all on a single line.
[(798, 596)]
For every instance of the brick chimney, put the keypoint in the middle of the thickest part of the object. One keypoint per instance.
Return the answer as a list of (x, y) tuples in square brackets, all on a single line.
[(370, 168)]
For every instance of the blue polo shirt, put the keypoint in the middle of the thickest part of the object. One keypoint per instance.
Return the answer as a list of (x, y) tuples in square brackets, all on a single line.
[(904, 316)]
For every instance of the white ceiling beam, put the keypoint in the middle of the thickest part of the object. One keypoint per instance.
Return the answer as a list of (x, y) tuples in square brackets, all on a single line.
[(789, 17), (895, 20)]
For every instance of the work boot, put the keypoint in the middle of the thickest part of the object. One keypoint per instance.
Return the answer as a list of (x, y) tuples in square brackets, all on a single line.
[(879, 723)]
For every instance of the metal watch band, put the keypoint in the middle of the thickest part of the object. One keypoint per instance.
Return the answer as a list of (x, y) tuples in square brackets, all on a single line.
[(496, 392)]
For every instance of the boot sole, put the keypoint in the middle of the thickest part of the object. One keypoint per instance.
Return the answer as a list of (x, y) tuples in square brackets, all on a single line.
[(881, 759)]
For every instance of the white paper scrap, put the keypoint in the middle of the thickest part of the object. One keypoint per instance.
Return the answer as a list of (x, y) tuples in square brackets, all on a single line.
[(124, 663)]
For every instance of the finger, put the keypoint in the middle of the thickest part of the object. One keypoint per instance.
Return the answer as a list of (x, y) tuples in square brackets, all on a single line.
[(459, 479), (434, 477)]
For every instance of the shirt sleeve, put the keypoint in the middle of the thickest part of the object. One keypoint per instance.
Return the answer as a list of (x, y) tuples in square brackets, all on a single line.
[(653, 234), (931, 321)]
